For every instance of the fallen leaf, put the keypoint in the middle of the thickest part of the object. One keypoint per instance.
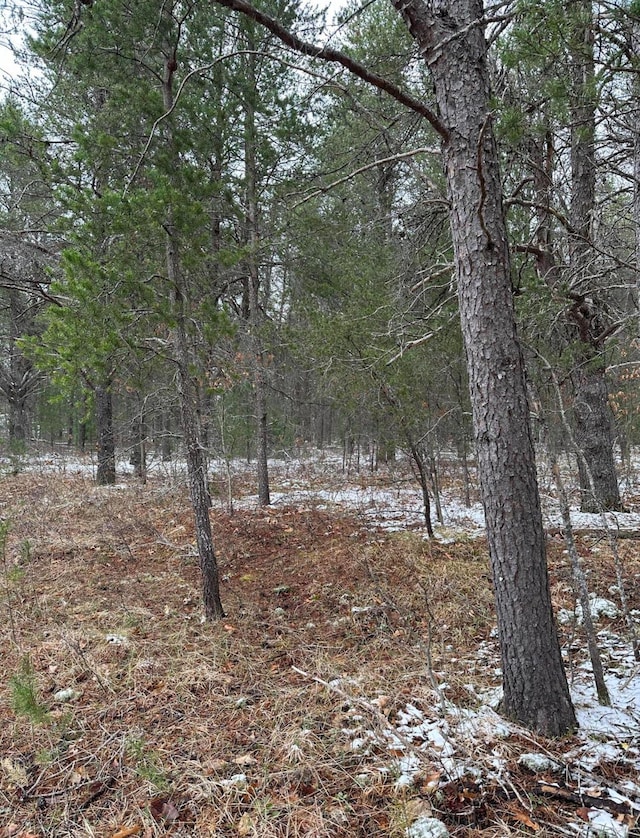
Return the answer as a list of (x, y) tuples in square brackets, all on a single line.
[(16, 774), (524, 818), (126, 831), (245, 759), (416, 807), (245, 825), (10, 829), (163, 810)]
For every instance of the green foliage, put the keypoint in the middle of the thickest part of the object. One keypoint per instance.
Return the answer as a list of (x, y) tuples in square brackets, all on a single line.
[(147, 763), (25, 700)]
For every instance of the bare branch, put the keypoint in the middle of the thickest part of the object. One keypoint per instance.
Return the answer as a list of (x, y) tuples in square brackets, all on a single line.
[(334, 55), (381, 162)]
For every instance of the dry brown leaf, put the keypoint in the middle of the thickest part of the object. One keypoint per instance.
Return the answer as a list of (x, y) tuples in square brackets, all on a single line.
[(628, 820), (10, 829), (245, 759), (524, 818), (163, 810), (245, 825), (416, 807), (126, 831)]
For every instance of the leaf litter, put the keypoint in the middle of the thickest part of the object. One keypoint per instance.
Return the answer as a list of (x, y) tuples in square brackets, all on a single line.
[(351, 690)]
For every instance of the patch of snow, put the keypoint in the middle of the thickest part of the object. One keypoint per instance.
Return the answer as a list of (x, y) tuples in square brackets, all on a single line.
[(66, 695), (117, 639), (539, 763), (427, 828), (599, 607), (603, 825), (237, 781)]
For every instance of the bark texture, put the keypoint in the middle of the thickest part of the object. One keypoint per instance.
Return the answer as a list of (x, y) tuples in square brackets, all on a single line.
[(452, 41), (106, 471)]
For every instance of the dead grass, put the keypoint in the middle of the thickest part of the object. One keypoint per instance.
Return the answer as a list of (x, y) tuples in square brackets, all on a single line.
[(188, 729)]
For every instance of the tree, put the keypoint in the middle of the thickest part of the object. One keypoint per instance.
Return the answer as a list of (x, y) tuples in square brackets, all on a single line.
[(535, 686), (549, 120)]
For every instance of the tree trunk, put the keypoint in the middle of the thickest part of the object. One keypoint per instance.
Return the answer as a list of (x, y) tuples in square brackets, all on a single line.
[(421, 467), (255, 317), (594, 439), (196, 468), (536, 693), (106, 472), (138, 457), (592, 415)]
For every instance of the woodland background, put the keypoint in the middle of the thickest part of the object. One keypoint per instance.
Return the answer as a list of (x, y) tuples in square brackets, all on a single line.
[(215, 247)]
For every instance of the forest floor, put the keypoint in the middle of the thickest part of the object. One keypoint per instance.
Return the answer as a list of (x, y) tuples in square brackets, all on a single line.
[(348, 692)]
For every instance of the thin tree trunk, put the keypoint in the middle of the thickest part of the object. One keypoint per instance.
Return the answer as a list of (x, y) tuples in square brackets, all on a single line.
[(196, 468), (580, 584), (435, 484), (423, 477), (536, 693), (255, 315)]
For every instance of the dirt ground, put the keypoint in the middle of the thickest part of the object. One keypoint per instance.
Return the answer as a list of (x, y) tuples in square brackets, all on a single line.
[(171, 726)]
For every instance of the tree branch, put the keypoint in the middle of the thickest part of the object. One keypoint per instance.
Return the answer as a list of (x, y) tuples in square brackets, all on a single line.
[(334, 55), (381, 162)]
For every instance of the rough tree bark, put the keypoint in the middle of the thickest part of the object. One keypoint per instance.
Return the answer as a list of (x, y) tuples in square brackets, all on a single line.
[(106, 471), (451, 37)]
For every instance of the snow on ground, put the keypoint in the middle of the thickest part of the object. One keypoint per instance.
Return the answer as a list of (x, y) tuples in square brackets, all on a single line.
[(474, 746), (303, 482)]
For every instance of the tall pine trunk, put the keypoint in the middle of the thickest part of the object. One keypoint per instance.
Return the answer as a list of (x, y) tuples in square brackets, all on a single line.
[(452, 42), (592, 416)]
